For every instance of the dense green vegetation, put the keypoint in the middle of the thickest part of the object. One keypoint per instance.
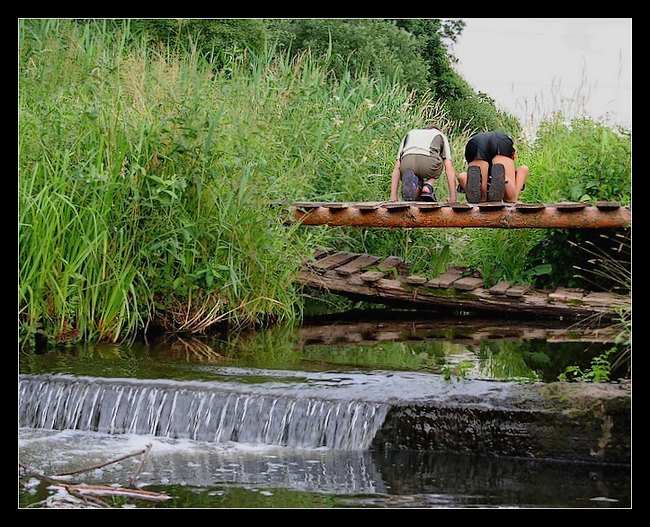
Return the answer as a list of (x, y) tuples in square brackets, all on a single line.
[(411, 52), (150, 152)]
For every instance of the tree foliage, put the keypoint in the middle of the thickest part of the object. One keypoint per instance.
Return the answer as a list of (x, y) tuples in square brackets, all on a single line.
[(378, 47), (413, 52)]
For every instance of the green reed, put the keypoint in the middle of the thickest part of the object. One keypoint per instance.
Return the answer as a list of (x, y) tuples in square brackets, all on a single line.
[(147, 178)]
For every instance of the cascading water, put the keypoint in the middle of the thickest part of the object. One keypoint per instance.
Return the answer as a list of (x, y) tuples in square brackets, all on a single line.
[(203, 411)]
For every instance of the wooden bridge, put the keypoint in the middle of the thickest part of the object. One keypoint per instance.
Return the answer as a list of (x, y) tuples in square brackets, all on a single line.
[(388, 281), (564, 215)]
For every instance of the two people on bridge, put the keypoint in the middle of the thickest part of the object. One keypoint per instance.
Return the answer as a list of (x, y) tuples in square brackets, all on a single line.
[(491, 174)]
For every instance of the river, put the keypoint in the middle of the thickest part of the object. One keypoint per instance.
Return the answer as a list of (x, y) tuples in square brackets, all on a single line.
[(295, 417)]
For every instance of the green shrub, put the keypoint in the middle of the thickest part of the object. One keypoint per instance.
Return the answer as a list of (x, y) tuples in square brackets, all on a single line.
[(580, 161)]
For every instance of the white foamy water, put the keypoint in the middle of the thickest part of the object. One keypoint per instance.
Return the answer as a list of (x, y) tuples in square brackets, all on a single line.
[(196, 410), (198, 463)]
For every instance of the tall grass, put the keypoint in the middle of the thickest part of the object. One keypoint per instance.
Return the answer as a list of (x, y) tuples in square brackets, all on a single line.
[(146, 177), (579, 160)]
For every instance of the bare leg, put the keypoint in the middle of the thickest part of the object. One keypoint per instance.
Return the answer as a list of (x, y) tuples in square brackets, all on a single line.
[(425, 190), (515, 178), (514, 182), (462, 180)]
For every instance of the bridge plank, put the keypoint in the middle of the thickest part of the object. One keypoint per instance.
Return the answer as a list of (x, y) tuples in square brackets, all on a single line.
[(321, 252), (529, 207), (602, 298), (390, 263), (332, 261), (516, 291), (608, 205), (354, 266), (368, 206), (468, 283), (395, 206), (308, 205), (445, 280), (460, 207), (487, 206), (335, 205), (499, 288), (428, 206), (371, 276), (415, 279), (563, 294)]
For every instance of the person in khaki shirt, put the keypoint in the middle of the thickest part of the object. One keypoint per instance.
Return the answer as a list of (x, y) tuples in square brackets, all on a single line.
[(422, 156)]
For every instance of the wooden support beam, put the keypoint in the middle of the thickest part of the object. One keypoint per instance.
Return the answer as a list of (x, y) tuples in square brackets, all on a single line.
[(359, 276), (508, 216), (386, 291)]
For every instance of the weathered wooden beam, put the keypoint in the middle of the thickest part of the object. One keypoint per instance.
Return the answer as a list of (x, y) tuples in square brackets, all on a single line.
[(386, 291), (510, 216)]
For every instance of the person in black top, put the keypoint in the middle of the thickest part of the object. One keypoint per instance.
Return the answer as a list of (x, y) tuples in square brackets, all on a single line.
[(491, 174)]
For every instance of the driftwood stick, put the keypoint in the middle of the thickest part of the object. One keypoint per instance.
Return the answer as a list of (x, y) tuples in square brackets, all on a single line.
[(88, 499), (100, 465), (141, 465), (103, 490)]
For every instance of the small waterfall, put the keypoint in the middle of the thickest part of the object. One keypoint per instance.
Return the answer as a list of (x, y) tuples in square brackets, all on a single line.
[(204, 411)]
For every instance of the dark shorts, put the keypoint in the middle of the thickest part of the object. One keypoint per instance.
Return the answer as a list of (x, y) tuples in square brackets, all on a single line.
[(425, 167), (486, 145)]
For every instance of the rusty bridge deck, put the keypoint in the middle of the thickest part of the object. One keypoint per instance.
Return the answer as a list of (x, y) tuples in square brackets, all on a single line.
[(387, 281), (564, 215)]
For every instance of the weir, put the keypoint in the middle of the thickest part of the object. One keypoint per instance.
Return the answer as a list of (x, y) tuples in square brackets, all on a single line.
[(195, 410), (354, 411)]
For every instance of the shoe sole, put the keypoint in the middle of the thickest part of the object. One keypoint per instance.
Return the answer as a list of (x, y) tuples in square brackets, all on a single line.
[(410, 186), (497, 183), (473, 189)]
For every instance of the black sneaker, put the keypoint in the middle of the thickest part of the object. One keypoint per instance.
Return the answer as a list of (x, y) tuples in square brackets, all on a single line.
[(473, 188), (410, 185), (498, 183)]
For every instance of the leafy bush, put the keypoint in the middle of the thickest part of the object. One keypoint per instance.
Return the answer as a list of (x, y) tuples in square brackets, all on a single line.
[(377, 48)]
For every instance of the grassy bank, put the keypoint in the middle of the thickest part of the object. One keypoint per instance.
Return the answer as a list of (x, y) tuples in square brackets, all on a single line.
[(145, 179), (146, 176)]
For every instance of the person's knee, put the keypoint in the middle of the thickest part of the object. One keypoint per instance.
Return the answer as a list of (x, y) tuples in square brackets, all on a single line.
[(523, 169)]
